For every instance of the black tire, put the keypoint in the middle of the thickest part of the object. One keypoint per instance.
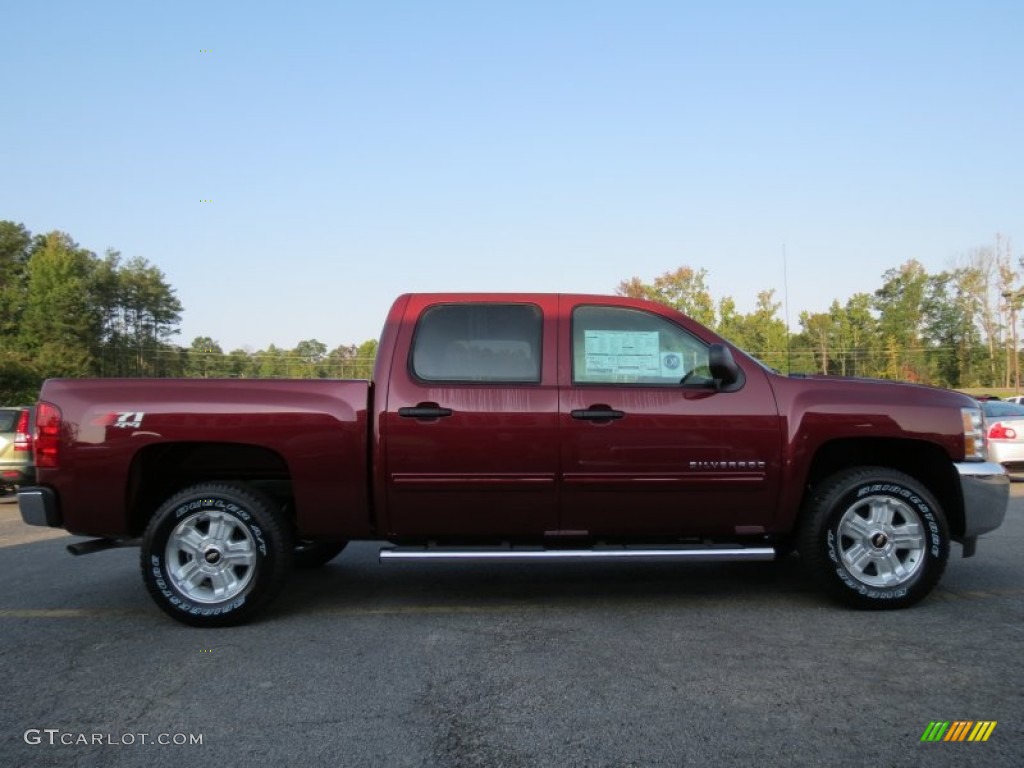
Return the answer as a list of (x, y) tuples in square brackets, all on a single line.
[(316, 554), (215, 554), (874, 538)]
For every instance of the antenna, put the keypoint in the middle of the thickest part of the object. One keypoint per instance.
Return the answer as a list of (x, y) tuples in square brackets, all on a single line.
[(785, 311)]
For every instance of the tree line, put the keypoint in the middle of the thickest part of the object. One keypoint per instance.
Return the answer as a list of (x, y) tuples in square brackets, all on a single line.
[(64, 311), (956, 328)]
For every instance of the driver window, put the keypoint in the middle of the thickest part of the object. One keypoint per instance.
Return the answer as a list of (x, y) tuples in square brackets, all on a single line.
[(616, 345)]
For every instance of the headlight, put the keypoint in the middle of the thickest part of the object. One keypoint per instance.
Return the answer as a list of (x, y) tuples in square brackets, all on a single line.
[(974, 434)]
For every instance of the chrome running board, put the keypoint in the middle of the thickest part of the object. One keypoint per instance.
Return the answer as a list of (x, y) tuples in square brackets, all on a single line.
[(523, 554)]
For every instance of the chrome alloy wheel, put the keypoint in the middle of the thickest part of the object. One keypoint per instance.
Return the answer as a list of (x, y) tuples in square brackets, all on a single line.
[(211, 557), (881, 541)]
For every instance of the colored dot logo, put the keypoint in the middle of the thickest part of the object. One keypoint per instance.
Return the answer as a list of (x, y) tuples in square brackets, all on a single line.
[(206, 50), (207, 200)]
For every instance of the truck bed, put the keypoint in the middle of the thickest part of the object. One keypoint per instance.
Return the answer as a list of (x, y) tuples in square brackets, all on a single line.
[(314, 431)]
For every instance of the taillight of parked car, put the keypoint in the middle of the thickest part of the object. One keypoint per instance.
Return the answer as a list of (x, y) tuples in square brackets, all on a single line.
[(22, 437), (1000, 431), (48, 429)]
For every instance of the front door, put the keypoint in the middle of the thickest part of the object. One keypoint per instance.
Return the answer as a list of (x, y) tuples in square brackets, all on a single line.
[(643, 454)]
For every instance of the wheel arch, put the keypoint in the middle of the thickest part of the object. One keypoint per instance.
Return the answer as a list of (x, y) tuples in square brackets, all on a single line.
[(161, 470), (926, 462)]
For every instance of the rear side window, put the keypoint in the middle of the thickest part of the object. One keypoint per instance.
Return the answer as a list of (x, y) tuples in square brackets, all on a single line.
[(478, 343), (8, 420)]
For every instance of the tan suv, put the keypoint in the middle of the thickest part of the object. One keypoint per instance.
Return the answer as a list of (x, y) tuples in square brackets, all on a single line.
[(16, 463)]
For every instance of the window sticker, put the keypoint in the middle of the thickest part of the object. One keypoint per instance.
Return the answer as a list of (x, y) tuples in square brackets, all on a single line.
[(622, 353)]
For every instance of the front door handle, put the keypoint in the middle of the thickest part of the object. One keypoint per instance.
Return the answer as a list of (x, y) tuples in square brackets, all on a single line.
[(425, 411), (597, 413)]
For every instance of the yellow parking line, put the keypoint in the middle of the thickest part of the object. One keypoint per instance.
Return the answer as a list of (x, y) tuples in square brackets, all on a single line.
[(407, 610), (55, 612), (427, 610), (92, 613), (978, 594), (60, 613)]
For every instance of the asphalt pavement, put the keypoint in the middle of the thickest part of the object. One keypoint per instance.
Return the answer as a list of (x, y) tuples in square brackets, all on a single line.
[(491, 665)]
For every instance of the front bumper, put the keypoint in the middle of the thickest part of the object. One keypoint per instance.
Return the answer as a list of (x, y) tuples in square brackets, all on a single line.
[(38, 506), (985, 487)]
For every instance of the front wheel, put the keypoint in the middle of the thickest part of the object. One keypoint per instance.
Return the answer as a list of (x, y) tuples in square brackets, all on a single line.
[(874, 538), (214, 554)]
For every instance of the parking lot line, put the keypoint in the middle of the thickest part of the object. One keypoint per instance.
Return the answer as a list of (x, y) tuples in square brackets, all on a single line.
[(426, 610)]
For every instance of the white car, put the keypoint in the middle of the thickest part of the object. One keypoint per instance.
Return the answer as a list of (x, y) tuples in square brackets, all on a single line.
[(1004, 433)]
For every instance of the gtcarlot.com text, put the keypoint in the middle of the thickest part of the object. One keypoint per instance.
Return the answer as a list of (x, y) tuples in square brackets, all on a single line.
[(55, 737)]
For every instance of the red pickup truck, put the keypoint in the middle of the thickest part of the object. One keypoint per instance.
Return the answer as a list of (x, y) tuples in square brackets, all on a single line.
[(517, 427)]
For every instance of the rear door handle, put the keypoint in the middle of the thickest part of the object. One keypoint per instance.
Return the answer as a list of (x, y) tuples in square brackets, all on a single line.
[(425, 411), (597, 413)]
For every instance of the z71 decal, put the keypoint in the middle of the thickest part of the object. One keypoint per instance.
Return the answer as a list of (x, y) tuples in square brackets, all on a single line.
[(129, 420)]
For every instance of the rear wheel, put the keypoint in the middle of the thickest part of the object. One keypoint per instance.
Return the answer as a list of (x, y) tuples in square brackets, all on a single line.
[(214, 554), (874, 538)]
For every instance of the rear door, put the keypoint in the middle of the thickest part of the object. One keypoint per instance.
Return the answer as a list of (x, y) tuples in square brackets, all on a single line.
[(470, 426), (643, 454)]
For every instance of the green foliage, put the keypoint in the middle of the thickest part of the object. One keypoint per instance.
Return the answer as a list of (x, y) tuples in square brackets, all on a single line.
[(15, 251), (684, 289), (900, 306), (145, 316), (60, 325), (19, 382), (761, 333), (353, 362), (205, 359), (766, 334), (939, 329), (66, 312)]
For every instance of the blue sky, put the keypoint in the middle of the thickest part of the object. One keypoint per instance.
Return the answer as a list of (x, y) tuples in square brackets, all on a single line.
[(355, 151)]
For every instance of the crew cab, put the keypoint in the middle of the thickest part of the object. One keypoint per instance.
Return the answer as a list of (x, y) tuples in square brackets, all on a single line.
[(517, 427)]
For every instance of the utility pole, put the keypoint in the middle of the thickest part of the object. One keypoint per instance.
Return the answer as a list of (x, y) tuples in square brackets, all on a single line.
[(1012, 300)]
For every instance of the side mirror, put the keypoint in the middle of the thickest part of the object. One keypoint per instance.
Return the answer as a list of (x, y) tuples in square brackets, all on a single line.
[(722, 366)]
